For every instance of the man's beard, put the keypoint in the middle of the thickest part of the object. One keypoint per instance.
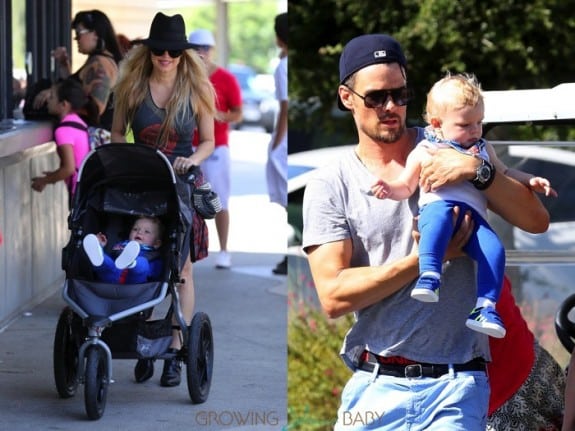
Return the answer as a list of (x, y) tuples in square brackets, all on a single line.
[(387, 136)]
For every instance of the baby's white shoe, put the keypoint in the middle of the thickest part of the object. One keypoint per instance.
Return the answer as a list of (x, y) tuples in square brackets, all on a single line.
[(93, 249), (127, 258)]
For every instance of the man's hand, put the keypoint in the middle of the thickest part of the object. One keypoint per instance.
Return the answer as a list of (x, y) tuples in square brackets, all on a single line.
[(460, 236), (446, 166)]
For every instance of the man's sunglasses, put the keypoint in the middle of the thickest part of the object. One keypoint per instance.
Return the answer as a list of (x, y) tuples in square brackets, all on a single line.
[(378, 98), (174, 53)]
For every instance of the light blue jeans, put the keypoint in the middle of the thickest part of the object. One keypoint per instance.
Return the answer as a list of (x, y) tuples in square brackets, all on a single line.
[(453, 402)]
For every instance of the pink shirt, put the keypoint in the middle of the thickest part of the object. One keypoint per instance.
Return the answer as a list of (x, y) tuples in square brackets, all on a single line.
[(79, 140)]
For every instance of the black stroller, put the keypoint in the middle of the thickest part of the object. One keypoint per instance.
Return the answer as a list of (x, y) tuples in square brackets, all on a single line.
[(564, 323), (103, 321)]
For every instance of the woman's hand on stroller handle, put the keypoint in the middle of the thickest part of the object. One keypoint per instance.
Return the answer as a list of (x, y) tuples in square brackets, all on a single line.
[(182, 165), (192, 172)]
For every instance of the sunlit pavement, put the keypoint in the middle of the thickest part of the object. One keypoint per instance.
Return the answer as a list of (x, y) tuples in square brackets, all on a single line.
[(256, 224)]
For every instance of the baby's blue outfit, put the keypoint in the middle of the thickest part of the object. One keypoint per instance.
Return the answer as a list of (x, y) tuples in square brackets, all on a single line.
[(147, 268), (436, 227)]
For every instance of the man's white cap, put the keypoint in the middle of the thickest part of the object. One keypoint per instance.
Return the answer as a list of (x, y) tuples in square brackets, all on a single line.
[(202, 37)]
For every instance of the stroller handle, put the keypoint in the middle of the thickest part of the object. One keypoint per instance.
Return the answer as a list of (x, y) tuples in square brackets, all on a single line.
[(192, 173)]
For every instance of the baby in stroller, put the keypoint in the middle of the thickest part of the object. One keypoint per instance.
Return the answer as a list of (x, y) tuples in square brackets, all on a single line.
[(137, 259)]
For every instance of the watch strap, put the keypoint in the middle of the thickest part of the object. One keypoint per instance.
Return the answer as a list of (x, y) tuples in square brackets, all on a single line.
[(480, 183)]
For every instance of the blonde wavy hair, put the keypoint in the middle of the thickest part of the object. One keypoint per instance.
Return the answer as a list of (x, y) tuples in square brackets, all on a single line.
[(193, 89), (453, 91)]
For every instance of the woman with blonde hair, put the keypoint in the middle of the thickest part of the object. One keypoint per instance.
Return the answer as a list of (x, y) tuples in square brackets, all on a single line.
[(163, 94)]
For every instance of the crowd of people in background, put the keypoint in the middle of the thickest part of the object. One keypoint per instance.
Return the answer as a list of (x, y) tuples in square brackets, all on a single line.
[(276, 167)]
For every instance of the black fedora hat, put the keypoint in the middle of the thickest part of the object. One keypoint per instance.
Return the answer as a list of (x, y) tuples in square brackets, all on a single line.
[(167, 32)]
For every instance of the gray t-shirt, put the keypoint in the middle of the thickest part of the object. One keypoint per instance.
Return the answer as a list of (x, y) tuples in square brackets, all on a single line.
[(146, 127), (337, 205)]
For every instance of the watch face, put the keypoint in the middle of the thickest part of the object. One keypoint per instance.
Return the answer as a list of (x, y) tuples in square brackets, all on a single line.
[(484, 173)]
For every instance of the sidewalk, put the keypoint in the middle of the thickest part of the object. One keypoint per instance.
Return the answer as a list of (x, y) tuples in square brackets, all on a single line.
[(247, 308)]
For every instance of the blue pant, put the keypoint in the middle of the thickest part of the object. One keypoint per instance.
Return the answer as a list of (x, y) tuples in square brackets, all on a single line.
[(456, 402), (108, 273), (436, 229)]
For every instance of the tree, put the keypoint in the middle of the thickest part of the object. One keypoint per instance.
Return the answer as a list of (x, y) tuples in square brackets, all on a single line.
[(251, 30), (506, 44)]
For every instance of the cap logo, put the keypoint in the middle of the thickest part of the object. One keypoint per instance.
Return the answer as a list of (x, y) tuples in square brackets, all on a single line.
[(380, 54)]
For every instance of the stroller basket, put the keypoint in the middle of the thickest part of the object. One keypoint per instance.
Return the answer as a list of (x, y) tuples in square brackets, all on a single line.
[(112, 301)]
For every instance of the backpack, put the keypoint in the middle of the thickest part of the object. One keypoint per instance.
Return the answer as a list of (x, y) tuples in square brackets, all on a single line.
[(97, 136)]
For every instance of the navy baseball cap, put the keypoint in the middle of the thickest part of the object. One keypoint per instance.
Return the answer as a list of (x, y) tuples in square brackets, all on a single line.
[(365, 50)]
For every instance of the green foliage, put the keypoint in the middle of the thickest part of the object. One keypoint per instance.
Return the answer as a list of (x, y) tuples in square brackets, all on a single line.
[(18, 34), (316, 373), (510, 44), (251, 30)]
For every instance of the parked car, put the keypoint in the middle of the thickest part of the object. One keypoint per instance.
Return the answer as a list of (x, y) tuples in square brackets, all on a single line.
[(259, 103)]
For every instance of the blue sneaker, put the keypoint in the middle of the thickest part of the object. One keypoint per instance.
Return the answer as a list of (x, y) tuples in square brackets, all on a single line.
[(487, 321), (426, 289)]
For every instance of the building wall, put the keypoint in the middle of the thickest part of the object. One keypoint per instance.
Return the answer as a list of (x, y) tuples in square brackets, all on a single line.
[(34, 225)]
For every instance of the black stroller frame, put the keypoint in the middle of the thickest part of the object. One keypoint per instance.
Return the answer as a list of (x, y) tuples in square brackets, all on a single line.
[(564, 326), (104, 321)]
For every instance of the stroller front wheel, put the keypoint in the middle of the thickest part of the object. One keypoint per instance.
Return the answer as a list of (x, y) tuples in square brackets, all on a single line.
[(95, 382)]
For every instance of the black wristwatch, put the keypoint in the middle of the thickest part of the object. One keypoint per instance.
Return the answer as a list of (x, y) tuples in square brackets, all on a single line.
[(484, 175)]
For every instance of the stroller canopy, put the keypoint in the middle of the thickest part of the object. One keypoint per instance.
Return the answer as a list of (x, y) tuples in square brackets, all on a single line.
[(117, 163), (131, 179)]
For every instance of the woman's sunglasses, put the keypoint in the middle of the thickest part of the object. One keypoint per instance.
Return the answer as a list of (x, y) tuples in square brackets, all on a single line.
[(378, 98), (174, 53), (80, 32)]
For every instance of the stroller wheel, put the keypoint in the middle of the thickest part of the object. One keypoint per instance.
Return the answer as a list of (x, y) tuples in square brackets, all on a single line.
[(565, 327), (96, 382), (200, 358), (66, 343)]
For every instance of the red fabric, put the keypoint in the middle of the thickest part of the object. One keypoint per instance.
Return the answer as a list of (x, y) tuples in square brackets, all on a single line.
[(123, 276), (228, 96), (513, 355), (199, 236)]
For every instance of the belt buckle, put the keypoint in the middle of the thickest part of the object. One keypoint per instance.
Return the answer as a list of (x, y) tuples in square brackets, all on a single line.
[(413, 371)]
